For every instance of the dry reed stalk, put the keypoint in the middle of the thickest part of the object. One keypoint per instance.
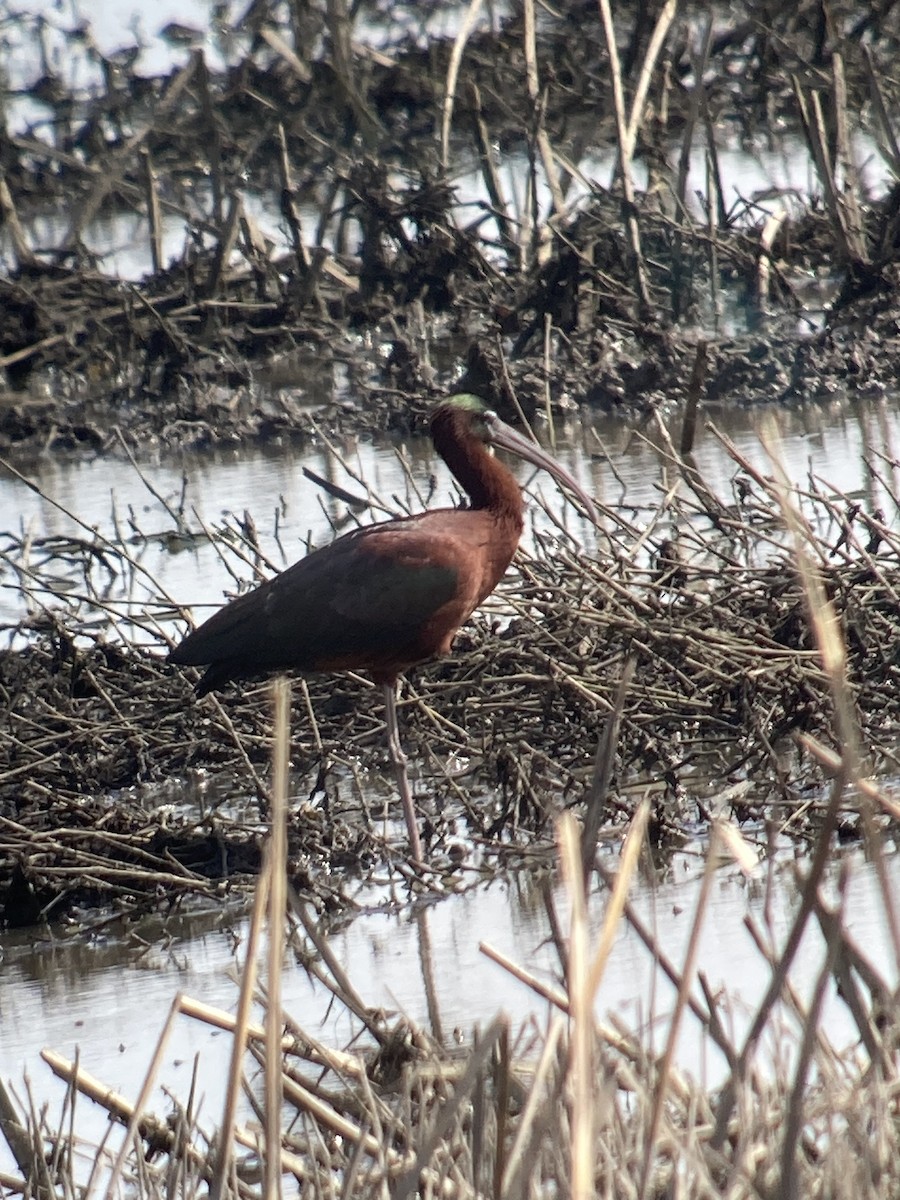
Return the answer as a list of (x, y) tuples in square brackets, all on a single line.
[(694, 395), (119, 161), (33, 1166), (130, 1142), (228, 235), (699, 61), (604, 762), (710, 503), (685, 985), (631, 850), (554, 995), (463, 33), (317, 1052), (533, 1119), (581, 1014), (833, 656), (452, 1108), (338, 983), (327, 1115), (212, 141), (832, 764), (223, 1161), (548, 400), (93, 534), (796, 1109), (887, 142), (533, 88), (654, 49), (499, 205), (24, 255), (845, 168), (638, 266), (277, 43), (833, 652), (773, 223), (849, 969), (339, 21), (277, 917), (844, 222), (713, 186)]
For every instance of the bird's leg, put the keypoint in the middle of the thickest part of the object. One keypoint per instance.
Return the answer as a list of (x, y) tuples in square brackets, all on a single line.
[(398, 758)]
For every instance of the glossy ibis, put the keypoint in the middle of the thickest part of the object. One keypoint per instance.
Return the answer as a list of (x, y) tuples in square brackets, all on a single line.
[(388, 596)]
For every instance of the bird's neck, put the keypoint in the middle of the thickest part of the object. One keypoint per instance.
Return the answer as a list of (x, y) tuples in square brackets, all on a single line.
[(488, 483)]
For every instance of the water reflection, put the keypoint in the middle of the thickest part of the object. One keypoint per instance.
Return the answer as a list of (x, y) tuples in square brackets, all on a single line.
[(844, 449)]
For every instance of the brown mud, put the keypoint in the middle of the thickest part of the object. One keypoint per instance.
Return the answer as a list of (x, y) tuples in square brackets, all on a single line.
[(391, 290)]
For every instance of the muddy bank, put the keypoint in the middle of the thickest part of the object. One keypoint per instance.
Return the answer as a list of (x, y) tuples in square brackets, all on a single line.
[(321, 220)]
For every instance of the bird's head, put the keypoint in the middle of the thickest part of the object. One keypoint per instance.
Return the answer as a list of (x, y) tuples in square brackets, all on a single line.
[(466, 416)]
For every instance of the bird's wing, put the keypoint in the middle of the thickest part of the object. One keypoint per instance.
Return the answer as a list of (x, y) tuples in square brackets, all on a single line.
[(394, 576), (367, 591), (366, 596)]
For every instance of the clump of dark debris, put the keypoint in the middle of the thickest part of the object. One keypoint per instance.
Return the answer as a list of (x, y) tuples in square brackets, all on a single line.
[(323, 216)]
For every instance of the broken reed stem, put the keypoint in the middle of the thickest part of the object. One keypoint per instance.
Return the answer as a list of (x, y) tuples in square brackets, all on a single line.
[(604, 761), (695, 391)]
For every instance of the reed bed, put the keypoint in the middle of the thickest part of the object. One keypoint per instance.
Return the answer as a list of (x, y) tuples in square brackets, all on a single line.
[(728, 657)]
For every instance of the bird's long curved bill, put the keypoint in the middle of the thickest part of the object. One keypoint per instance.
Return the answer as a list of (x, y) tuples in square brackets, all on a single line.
[(505, 438)]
